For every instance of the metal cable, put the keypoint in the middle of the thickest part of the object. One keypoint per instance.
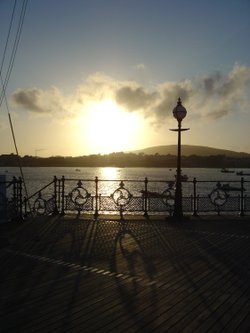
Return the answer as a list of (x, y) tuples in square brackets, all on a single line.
[(8, 36), (14, 49), (4, 82)]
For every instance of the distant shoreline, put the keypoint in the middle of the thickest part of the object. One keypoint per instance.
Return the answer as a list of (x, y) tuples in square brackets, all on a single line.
[(126, 160)]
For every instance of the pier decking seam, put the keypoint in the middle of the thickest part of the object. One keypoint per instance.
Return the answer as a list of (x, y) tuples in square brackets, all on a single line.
[(199, 280)]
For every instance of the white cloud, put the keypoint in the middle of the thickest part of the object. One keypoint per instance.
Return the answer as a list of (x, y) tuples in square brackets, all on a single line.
[(140, 67)]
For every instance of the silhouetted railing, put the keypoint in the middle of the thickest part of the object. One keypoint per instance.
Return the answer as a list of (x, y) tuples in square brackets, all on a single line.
[(143, 197), (100, 196), (11, 199)]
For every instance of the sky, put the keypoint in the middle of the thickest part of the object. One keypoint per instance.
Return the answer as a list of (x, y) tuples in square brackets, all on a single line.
[(100, 76)]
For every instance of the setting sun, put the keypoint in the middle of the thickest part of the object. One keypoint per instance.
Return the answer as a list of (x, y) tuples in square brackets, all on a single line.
[(105, 127)]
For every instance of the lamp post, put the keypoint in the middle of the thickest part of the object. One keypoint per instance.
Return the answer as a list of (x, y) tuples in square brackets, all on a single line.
[(179, 112)]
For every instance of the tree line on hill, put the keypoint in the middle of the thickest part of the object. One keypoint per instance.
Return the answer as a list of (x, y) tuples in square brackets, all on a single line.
[(121, 159)]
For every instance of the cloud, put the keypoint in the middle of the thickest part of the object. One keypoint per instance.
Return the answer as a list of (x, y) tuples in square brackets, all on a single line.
[(224, 94), (212, 96), (169, 94), (134, 98), (97, 87), (29, 99), (40, 101), (157, 104), (140, 67), (219, 113)]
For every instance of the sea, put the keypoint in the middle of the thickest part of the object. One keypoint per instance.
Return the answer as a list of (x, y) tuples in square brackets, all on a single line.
[(37, 177)]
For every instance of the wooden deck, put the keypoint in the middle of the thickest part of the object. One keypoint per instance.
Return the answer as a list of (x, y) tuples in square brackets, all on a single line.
[(61, 274)]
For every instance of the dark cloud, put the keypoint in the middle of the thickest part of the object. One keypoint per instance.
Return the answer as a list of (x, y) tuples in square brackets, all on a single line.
[(29, 99), (169, 96), (134, 98), (40, 101), (208, 84), (224, 85), (216, 114), (157, 104), (213, 96)]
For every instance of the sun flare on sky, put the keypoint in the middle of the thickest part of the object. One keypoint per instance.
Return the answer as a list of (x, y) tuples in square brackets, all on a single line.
[(105, 127)]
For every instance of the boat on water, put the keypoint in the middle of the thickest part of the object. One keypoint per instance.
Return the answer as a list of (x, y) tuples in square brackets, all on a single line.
[(241, 173), (228, 187), (151, 194), (184, 178), (225, 170)]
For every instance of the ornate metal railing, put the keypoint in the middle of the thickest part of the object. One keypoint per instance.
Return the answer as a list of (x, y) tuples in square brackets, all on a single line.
[(145, 197), (11, 199), (43, 202), (99, 196)]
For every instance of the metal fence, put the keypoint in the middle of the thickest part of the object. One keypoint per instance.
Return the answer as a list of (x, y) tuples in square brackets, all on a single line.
[(11, 199), (142, 197)]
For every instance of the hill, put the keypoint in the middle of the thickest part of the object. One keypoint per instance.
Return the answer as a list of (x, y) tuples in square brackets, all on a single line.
[(189, 150), (163, 157)]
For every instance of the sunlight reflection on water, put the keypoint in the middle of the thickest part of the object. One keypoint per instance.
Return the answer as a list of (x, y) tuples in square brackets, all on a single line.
[(109, 173), (38, 177)]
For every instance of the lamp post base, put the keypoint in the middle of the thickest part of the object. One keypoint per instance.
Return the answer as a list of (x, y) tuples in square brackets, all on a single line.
[(178, 212), (177, 215), (178, 218)]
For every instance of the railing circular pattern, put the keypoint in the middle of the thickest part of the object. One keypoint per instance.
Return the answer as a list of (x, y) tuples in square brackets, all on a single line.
[(168, 197), (121, 196), (218, 197), (39, 206), (79, 196)]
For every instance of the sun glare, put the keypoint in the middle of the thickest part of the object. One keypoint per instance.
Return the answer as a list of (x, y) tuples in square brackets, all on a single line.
[(109, 173), (107, 128)]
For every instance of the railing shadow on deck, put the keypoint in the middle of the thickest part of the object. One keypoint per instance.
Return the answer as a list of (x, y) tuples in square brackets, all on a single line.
[(138, 254)]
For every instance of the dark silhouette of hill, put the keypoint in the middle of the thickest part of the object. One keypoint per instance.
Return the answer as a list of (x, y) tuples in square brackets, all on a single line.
[(189, 150), (161, 156)]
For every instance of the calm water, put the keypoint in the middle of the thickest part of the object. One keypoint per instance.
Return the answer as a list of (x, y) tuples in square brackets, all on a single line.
[(36, 178)]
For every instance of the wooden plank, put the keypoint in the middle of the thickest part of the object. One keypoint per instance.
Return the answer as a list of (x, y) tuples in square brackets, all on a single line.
[(197, 274)]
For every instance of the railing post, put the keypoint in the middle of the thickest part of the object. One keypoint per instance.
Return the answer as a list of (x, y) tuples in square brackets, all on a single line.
[(62, 195), (20, 198), (96, 198), (121, 206), (55, 212), (242, 213), (195, 198), (14, 198), (58, 194), (146, 197), (14, 188), (25, 206)]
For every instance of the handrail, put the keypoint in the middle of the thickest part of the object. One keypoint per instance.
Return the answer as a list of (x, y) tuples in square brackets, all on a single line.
[(37, 192)]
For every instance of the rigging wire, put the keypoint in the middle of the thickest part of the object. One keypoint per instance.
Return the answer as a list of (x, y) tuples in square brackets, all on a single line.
[(15, 145), (15, 46), (17, 153), (5, 82), (8, 36)]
